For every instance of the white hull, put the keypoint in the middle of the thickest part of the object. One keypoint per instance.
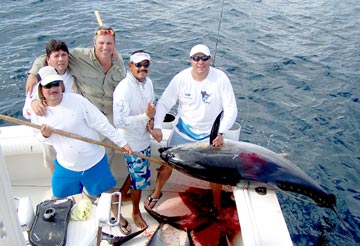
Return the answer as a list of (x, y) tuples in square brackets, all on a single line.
[(261, 218)]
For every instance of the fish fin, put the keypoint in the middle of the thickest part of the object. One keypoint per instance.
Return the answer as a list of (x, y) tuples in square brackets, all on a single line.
[(341, 220), (162, 219), (119, 240), (190, 241), (215, 128), (156, 236)]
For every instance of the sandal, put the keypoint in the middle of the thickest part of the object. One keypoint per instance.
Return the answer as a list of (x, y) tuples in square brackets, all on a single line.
[(153, 200), (123, 228)]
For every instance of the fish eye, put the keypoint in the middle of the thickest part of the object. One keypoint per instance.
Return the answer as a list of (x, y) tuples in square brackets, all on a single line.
[(261, 190)]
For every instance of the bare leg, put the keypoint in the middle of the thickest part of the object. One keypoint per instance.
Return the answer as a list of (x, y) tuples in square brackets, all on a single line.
[(162, 176), (138, 219), (125, 188), (216, 190)]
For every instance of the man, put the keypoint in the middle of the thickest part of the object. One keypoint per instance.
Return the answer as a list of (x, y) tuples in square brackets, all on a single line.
[(57, 56), (97, 71), (202, 92), (133, 112), (78, 164)]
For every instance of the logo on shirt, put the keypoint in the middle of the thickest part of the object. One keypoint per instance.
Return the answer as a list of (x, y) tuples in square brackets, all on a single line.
[(205, 97)]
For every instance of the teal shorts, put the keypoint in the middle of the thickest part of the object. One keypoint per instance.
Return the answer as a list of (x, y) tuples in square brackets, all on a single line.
[(95, 180), (139, 170)]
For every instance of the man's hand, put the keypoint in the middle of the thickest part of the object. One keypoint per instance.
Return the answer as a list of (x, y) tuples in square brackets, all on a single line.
[(46, 130), (39, 107), (218, 141), (157, 134), (127, 149), (150, 110)]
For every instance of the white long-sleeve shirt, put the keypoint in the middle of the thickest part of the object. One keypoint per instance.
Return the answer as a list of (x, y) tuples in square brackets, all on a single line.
[(199, 103), (130, 100), (75, 114)]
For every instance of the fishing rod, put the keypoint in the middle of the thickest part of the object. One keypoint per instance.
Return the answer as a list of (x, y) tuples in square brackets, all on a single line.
[(218, 32), (216, 44)]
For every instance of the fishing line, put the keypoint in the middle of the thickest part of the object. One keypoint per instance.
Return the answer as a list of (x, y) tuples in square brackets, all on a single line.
[(214, 58)]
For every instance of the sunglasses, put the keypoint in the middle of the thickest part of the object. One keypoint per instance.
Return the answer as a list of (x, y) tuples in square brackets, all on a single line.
[(105, 31), (56, 83), (198, 58), (139, 65)]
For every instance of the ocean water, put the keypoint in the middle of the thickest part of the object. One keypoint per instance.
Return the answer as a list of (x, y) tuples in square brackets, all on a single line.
[(294, 66)]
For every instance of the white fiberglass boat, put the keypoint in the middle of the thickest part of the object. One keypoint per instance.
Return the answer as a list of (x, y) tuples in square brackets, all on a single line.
[(25, 182)]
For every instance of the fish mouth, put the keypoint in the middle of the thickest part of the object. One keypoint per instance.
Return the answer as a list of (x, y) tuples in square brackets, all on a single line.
[(165, 155), (161, 150)]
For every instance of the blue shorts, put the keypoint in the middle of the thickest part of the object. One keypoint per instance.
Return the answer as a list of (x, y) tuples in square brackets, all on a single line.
[(96, 180), (139, 170)]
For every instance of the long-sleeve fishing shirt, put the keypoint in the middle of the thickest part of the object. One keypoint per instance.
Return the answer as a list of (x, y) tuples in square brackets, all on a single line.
[(75, 114), (199, 103), (130, 100)]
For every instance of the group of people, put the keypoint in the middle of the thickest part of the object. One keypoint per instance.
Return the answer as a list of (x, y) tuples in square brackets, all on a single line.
[(87, 91)]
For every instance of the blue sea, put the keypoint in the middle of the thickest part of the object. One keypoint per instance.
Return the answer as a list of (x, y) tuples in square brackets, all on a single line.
[(294, 66)]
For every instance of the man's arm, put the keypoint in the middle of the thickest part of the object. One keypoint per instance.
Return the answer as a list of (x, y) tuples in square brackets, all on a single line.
[(32, 75), (30, 84)]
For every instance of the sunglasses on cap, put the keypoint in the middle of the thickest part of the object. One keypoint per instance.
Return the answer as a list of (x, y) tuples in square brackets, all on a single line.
[(139, 64), (105, 31), (55, 83), (198, 58)]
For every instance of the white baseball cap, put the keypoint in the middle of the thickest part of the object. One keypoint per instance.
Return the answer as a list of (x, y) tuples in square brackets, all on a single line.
[(48, 74), (200, 48)]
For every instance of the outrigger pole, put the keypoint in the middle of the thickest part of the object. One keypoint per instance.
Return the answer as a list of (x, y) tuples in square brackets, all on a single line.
[(98, 18)]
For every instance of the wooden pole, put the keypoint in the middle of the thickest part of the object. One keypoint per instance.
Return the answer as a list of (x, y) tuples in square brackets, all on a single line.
[(78, 137)]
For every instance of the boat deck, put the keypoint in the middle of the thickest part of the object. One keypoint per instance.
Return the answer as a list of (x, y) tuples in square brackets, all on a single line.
[(260, 215), (40, 190)]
